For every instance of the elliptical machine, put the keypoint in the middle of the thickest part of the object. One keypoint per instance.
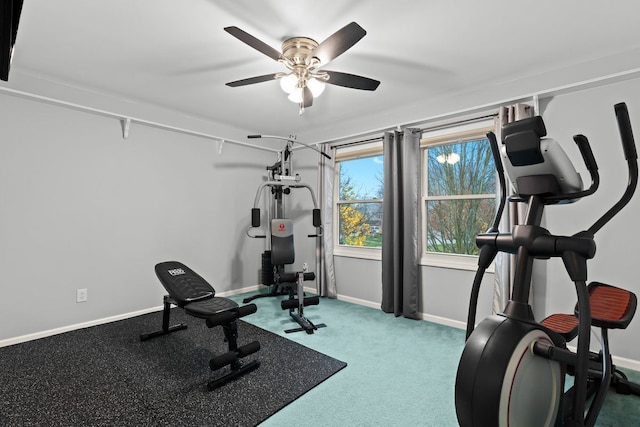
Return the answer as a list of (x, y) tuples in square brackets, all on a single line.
[(512, 370)]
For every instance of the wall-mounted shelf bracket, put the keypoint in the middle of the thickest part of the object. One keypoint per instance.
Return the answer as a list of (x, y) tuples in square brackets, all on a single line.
[(126, 124)]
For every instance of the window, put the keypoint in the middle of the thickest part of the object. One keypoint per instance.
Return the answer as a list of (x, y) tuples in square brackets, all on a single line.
[(358, 215), (458, 195)]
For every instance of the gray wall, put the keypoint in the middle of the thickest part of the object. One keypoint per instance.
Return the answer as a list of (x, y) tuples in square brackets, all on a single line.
[(81, 207), (444, 292), (591, 113)]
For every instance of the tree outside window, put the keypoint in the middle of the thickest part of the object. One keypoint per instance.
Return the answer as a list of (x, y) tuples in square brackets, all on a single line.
[(459, 195)]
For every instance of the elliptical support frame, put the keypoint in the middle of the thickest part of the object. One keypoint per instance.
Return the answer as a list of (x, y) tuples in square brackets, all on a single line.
[(482, 398)]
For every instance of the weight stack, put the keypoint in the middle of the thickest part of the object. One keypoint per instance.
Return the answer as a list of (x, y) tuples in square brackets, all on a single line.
[(267, 269)]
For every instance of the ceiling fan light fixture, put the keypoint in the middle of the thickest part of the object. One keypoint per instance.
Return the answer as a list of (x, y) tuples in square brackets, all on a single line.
[(296, 95), (289, 82), (303, 57), (315, 86)]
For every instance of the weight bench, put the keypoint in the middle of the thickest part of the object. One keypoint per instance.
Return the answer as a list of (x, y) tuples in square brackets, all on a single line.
[(192, 293)]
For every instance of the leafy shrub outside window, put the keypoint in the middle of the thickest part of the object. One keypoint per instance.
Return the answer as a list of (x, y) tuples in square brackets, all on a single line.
[(360, 201)]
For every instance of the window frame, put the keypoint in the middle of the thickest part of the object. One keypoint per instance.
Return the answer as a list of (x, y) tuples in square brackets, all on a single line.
[(455, 134), (360, 151), (468, 131)]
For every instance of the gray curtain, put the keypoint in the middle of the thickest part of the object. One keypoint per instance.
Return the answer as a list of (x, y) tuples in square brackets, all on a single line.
[(400, 223), (512, 214), (325, 273)]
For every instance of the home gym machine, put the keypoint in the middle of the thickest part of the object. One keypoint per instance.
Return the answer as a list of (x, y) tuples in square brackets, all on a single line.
[(280, 247), (512, 371)]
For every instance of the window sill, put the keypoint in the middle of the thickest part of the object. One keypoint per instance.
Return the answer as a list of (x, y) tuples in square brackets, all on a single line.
[(456, 262), (358, 252)]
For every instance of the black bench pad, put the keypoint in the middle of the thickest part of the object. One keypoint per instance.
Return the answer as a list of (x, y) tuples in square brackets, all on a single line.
[(207, 308)]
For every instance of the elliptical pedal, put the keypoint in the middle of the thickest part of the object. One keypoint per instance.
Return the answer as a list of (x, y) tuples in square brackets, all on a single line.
[(611, 308), (565, 325)]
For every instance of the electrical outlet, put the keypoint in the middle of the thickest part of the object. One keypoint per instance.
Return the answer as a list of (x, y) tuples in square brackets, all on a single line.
[(81, 295)]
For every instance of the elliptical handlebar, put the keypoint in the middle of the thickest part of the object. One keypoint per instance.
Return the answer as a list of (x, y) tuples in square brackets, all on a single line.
[(495, 151), (587, 155), (626, 134), (487, 252), (631, 156)]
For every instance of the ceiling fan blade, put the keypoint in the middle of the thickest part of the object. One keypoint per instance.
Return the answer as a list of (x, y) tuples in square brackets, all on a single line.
[(258, 45), (337, 43), (351, 80), (253, 80), (307, 97)]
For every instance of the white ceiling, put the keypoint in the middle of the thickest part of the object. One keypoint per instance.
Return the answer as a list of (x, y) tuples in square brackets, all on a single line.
[(168, 60)]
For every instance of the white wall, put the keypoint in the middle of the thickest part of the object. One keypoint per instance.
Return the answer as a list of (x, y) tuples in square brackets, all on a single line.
[(81, 207)]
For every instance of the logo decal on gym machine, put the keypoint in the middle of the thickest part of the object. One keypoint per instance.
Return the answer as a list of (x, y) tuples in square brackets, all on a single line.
[(281, 227), (176, 271)]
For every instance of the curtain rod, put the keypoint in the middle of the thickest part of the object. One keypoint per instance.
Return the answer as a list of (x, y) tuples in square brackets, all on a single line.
[(459, 122), (534, 98), (125, 119), (480, 110), (362, 141), (427, 129)]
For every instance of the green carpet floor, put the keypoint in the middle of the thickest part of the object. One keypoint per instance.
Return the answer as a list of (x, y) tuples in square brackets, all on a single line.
[(400, 372)]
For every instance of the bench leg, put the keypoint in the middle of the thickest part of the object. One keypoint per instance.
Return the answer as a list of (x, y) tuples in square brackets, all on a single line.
[(166, 329), (243, 369)]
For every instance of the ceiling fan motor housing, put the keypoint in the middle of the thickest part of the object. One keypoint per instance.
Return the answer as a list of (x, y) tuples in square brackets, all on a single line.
[(299, 50)]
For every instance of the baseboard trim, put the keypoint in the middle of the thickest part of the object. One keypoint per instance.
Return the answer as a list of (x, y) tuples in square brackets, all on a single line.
[(238, 291), (55, 331), (626, 363), (359, 301), (69, 328), (443, 321), (622, 362), (428, 317), (618, 361)]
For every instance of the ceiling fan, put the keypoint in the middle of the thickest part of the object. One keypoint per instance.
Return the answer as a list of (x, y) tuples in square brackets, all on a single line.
[(303, 57)]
